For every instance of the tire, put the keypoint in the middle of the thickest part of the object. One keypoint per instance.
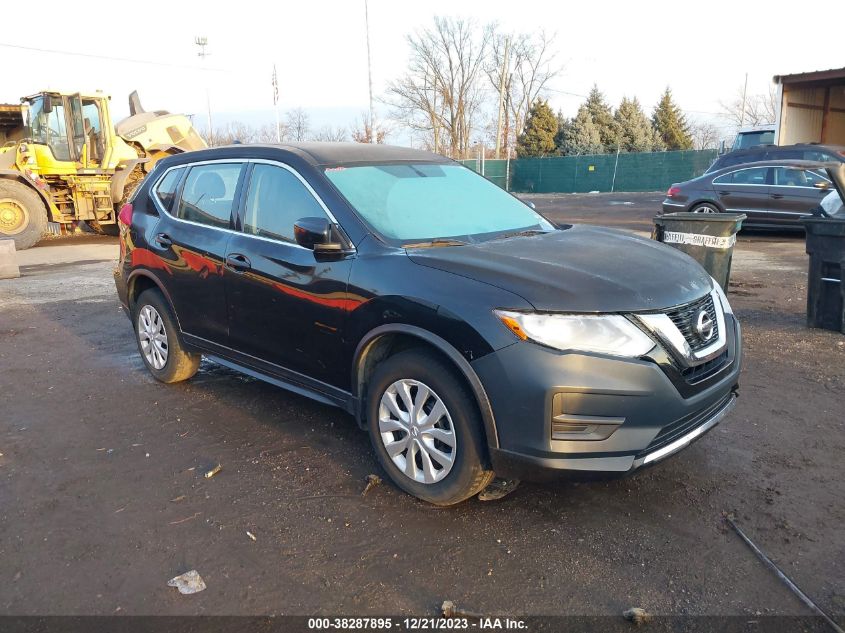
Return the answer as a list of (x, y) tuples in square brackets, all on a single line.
[(112, 230), (170, 362), (23, 216), (704, 207), (460, 423)]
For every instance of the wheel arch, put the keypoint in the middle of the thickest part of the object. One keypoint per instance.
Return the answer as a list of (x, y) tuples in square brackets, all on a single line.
[(386, 340), (141, 280), (719, 206), (13, 174)]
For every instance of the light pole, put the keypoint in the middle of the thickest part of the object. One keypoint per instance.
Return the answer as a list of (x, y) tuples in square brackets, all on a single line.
[(202, 42), (370, 74)]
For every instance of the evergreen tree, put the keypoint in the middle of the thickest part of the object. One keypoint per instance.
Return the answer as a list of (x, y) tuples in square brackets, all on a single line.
[(580, 135), (670, 123), (538, 138), (635, 131), (602, 116)]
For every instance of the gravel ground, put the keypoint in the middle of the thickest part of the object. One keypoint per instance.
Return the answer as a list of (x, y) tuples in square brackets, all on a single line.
[(103, 498)]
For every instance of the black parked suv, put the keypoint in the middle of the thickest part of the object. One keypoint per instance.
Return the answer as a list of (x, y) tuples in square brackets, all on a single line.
[(799, 151), (461, 329)]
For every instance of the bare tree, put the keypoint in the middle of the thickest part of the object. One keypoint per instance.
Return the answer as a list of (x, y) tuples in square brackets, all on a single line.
[(440, 93), (362, 133), (760, 109), (528, 69), (705, 135), (331, 134), (298, 124)]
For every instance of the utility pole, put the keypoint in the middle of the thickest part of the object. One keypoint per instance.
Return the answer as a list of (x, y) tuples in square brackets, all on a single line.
[(276, 105), (504, 72), (370, 74), (202, 42), (744, 93)]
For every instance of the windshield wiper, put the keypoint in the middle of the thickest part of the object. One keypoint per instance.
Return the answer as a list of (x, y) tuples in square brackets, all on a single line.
[(440, 241), (525, 233)]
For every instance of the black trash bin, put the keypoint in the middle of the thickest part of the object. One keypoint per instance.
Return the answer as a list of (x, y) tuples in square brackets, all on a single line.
[(825, 282), (708, 238)]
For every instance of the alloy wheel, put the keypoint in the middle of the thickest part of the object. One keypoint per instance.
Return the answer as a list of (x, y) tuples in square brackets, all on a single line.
[(417, 431), (704, 209), (152, 336)]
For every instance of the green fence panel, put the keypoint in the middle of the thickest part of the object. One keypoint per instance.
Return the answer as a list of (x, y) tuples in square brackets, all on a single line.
[(645, 171), (494, 170)]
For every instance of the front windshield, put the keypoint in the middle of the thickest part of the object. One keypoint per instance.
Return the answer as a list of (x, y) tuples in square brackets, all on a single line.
[(421, 202)]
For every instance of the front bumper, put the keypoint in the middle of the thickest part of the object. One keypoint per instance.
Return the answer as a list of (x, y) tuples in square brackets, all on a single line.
[(653, 411)]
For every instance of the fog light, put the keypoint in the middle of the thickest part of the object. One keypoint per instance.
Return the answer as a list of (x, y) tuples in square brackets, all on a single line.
[(569, 427)]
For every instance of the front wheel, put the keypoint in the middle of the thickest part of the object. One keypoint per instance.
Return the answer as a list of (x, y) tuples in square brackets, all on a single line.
[(23, 216), (426, 429)]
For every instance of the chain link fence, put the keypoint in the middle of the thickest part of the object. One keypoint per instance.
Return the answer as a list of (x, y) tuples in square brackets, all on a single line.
[(642, 171)]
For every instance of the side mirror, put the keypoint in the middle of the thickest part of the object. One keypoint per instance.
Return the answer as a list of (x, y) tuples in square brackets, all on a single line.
[(822, 184), (318, 235), (48, 104)]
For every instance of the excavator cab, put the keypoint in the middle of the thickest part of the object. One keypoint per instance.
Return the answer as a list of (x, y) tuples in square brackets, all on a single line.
[(72, 128)]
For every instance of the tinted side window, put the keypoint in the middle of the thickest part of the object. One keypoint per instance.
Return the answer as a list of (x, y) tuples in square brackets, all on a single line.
[(276, 200), (791, 177), (165, 190), (208, 194), (755, 176)]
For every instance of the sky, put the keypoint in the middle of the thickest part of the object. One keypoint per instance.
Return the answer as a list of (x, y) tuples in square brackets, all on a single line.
[(701, 50)]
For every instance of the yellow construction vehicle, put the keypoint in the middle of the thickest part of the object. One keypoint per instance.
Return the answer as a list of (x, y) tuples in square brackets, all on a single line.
[(62, 160)]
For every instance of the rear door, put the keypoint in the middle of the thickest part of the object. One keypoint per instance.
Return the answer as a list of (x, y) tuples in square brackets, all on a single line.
[(744, 191), (191, 240), (285, 307), (796, 192)]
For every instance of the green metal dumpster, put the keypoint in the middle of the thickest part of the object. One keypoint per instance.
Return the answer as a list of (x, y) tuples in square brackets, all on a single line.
[(708, 238)]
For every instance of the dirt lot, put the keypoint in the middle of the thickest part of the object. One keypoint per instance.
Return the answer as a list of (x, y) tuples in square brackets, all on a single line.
[(103, 499)]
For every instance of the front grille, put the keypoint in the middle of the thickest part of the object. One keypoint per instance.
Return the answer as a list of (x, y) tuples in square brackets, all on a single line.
[(703, 371), (684, 317), (681, 427)]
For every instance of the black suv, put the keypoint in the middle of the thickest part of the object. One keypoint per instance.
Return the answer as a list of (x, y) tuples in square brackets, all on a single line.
[(461, 329), (801, 151)]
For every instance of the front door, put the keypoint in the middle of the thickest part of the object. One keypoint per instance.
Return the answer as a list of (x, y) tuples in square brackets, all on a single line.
[(285, 307), (192, 242), (795, 193)]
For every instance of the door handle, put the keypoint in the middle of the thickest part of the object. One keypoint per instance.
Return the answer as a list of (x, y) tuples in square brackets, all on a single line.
[(777, 196), (163, 240), (723, 193), (238, 263)]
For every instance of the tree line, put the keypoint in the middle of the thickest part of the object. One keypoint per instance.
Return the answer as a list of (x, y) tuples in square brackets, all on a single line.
[(598, 129), (295, 126)]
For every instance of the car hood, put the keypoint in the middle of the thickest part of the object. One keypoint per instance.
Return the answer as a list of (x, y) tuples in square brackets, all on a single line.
[(579, 269)]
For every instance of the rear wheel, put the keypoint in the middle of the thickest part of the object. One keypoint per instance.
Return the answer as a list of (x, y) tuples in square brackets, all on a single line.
[(158, 341), (23, 216), (704, 207), (103, 229), (426, 429)]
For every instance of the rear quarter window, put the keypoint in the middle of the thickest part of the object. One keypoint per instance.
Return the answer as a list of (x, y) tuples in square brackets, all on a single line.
[(165, 189)]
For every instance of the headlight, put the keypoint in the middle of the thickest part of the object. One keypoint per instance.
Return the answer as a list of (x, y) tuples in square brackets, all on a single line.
[(606, 334), (722, 297)]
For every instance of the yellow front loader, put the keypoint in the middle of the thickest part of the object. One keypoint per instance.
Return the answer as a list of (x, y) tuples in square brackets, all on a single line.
[(66, 162)]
